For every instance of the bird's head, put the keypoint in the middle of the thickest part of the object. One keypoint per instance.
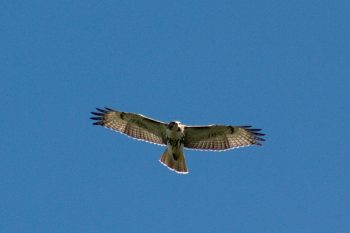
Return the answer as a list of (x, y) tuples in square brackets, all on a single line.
[(173, 124)]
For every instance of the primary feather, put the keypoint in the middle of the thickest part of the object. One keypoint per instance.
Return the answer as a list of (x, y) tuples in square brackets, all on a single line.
[(177, 136)]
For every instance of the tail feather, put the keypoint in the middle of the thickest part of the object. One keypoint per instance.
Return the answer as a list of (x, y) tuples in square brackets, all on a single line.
[(174, 161)]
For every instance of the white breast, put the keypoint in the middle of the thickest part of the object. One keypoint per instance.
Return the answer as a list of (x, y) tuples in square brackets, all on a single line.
[(175, 136)]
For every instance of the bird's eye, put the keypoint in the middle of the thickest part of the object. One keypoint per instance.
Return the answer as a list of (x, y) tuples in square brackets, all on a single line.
[(171, 125)]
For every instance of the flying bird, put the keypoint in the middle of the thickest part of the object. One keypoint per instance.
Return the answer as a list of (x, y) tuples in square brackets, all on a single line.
[(176, 136)]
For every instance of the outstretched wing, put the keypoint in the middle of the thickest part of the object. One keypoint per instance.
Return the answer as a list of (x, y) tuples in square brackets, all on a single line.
[(131, 124), (221, 137)]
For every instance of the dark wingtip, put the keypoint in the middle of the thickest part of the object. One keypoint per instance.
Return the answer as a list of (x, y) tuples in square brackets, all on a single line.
[(109, 109), (101, 110), (96, 118), (97, 113), (259, 134), (260, 139), (257, 137), (255, 130)]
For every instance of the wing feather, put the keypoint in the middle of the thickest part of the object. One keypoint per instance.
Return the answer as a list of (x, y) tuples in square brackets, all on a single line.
[(134, 125), (221, 137)]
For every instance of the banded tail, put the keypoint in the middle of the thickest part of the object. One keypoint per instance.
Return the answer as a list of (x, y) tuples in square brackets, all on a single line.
[(174, 161)]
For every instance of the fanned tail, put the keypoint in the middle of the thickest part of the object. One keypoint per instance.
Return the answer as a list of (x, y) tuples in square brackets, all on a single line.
[(174, 161)]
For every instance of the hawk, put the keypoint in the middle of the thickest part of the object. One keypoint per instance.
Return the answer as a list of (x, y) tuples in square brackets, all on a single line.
[(176, 136)]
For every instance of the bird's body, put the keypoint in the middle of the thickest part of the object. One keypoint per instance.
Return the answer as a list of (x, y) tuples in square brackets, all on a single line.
[(176, 136), (173, 157)]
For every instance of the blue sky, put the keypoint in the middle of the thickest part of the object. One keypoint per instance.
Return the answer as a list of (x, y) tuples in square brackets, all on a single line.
[(282, 66)]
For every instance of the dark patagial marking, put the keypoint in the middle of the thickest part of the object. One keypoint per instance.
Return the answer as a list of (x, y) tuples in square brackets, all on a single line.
[(232, 129), (122, 115)]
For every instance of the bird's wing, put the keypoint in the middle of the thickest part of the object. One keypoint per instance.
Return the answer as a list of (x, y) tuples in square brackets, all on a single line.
[(221, 137), (134, 125)]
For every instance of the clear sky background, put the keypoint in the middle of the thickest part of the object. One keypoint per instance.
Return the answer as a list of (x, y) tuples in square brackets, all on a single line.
[(283, 66)]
